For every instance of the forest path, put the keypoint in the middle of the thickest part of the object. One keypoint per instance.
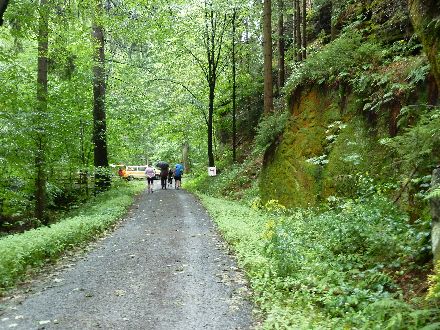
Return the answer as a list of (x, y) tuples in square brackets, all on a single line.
[(164, 267)]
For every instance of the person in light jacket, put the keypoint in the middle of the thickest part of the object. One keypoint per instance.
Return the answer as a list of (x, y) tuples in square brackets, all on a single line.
[(150, 173)]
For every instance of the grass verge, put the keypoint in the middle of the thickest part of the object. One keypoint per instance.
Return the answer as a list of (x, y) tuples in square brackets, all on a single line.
[(36, 247), (336, 269)]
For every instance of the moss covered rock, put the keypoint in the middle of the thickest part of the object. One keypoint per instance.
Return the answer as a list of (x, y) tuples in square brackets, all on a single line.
[(425, 15), (326, 150)]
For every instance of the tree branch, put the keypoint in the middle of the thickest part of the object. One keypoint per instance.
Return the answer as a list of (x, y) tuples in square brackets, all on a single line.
[(175, 82)]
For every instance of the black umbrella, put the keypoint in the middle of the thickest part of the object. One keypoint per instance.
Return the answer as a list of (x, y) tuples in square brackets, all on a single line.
[(163, 165)]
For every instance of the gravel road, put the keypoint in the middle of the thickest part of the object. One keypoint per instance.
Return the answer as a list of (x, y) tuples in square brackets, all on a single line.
[(164, 267)]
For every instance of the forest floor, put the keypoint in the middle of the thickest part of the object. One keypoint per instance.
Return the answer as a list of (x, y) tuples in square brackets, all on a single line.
[(164, 267)]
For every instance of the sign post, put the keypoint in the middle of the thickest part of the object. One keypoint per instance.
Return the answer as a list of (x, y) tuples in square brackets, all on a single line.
[(212, 171)]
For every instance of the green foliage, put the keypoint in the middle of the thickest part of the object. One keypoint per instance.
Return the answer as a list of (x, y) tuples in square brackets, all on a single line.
[(270, 128), (418, 144), (328, 66), (397, 80), (235, 181), (335, 269), (366, 67), (434, 281), (32, 249), (434, 193), (404, 48)]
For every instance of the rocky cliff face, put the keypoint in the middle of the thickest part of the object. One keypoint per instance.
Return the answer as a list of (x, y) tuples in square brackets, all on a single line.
[(425, 16), (340, 111), (323, 149), (435, 214), (332, 148)]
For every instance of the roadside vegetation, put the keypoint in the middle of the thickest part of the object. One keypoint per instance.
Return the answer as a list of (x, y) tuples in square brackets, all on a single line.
[(352, 265), (355, 251), (22, 252), (324, 139)]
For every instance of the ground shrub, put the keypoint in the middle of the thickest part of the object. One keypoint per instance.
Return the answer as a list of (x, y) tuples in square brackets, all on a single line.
[(270, 128), (235, 181), (332, 269), (329, 66), (35, 247), (434, 290)]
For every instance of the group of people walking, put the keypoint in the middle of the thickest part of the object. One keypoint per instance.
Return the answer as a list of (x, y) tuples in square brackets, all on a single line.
[(166, 175)]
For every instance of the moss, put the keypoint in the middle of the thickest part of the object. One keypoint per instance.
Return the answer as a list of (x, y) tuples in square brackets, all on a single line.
[(289, 178), (425, 15), (351, 156)]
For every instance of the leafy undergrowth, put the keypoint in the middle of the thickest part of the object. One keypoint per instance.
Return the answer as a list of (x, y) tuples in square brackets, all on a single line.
[(34, 248), (236, 181), (336, 269)]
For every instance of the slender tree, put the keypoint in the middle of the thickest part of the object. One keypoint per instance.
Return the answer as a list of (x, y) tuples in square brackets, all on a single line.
[(185, 156), (3, 6), (298, 40), (234, 87), (425, 17), (267, 45), (41, 111), (215, 25), (102, 177), (294, 23), (281, 45), (304, 28)]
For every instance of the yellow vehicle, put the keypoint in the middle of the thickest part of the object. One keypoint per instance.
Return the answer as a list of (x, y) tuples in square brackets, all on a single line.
[(138, 172), (135, 172)]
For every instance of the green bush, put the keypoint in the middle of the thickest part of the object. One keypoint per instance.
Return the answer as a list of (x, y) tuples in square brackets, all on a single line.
[(434, 290), (35, 247), (236, 181), (329, 66), (333, 269), (270, 128)]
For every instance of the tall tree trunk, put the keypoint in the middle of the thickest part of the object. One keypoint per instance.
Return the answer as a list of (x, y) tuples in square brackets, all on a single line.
[(234, 89), (3, 6), (425, 16), (41, 113), (211, 161), (215, 27), (185, 156), (435, 215), (294, 21), (281, 45), (267, 42), (298, 30), (304, 30), (102, 176)]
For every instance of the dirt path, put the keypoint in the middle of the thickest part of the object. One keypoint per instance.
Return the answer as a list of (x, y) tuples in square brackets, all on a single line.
[(165, 267)]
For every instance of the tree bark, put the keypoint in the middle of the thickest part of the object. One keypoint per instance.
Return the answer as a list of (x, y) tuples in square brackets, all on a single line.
[(41, 113), (234, 89), (425, 16), (435, 214), (185, 156), (298, 41), (294, 23), (267, 45), (281, 45), (304, 30), (3, 6), (102, 177), (211, 161), (215, 28)]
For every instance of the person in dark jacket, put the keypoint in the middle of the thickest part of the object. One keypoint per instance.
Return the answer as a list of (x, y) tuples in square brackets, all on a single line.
[(163, 177), (170, 177)]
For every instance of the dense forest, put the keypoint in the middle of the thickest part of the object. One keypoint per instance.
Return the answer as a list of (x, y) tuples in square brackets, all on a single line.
[(321, 116)]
